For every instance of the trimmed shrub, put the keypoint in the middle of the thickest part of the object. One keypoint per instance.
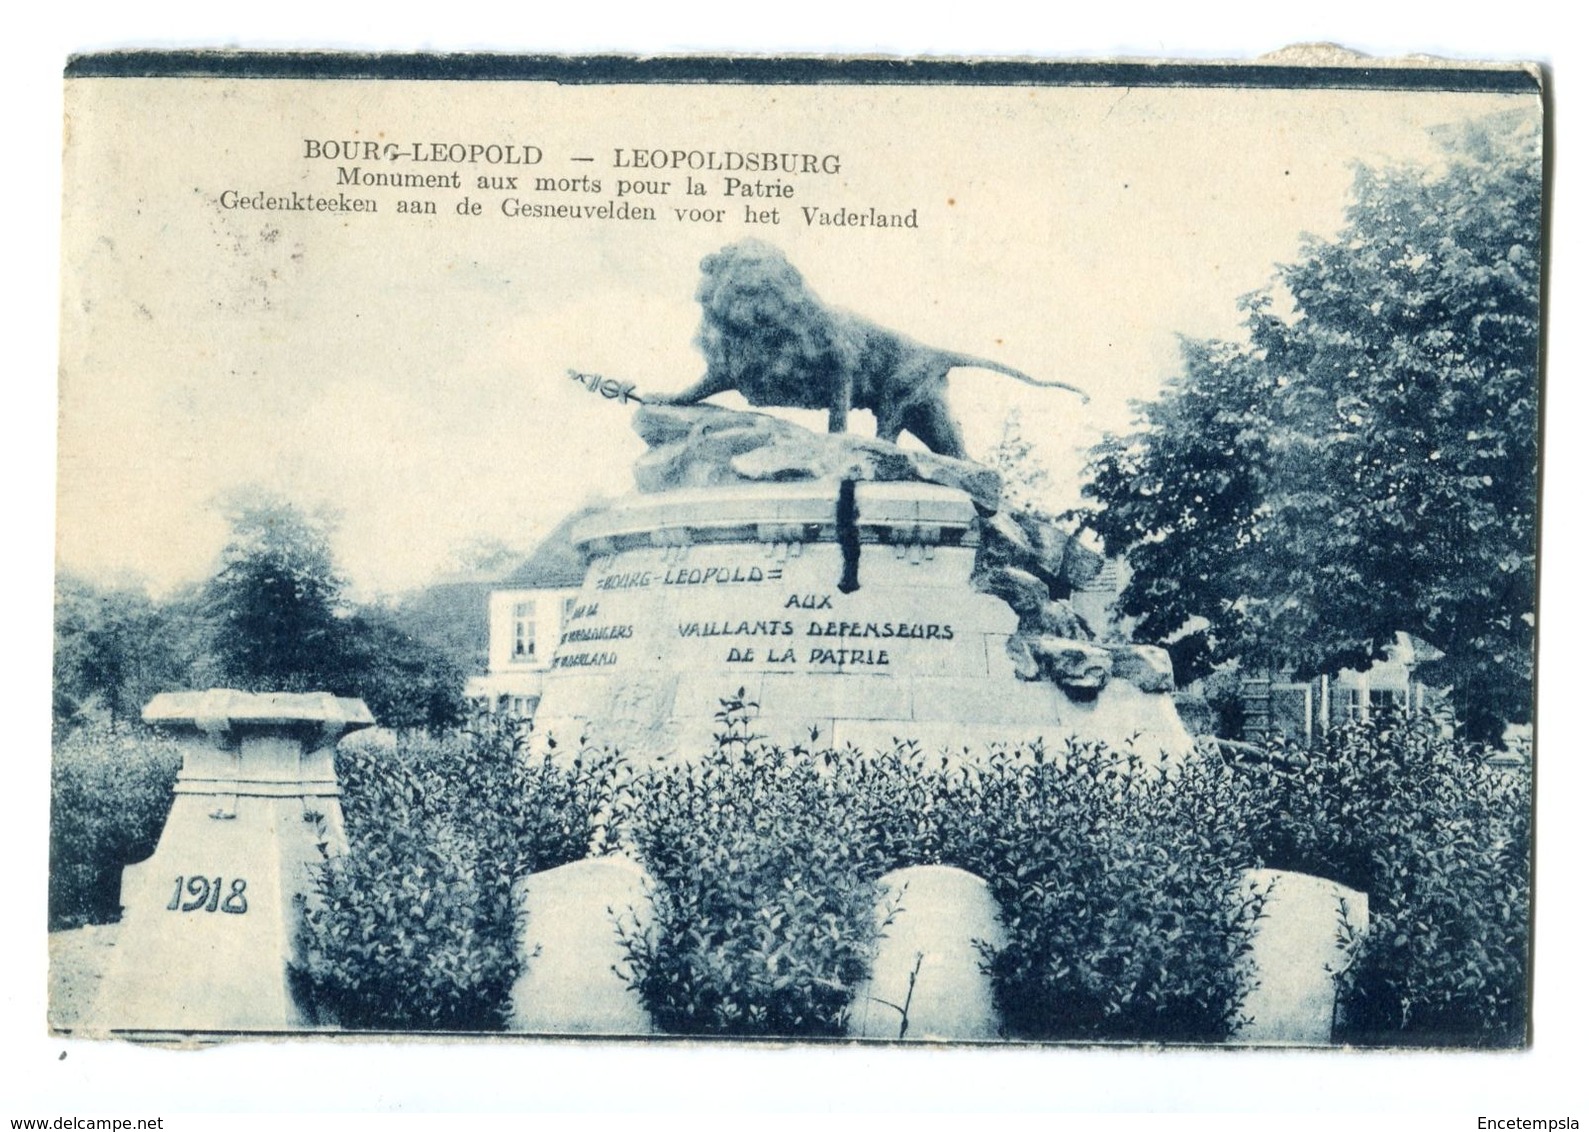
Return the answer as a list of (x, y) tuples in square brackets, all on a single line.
[(1115, 882), (1439, 838), (110, 792), (416, 927), (764, 889)]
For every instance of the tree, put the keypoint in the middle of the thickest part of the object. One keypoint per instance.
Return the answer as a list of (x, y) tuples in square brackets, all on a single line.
[(1026, 482), (1365, 460), (114, 649), (275, 601), (280, 622), (404, 681)]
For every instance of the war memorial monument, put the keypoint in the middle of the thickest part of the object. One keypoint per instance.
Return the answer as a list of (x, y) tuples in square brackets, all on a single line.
[(860, 592), (854, 592)]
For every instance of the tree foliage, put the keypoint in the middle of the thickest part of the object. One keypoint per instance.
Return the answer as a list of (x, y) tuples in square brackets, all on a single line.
[(1027, 485), (115, 648), (282, 622), (405, 682), (1364, 461), (276, 600), (274, 617)]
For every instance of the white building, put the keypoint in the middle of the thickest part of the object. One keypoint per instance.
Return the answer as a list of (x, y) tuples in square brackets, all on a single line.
[(526, 614), (1273, 702), (1306, 710)]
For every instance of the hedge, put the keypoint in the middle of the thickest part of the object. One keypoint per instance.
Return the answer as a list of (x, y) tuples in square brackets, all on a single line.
[(1112, 875), (110, 792)]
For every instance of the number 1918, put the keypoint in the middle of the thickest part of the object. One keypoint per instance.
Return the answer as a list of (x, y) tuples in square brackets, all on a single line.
[(206, 895)]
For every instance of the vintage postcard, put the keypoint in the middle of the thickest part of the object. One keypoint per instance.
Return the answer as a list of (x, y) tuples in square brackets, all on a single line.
[(984, 552)]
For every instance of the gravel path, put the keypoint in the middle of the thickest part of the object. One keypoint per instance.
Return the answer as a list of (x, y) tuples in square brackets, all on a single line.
[(78, 960)]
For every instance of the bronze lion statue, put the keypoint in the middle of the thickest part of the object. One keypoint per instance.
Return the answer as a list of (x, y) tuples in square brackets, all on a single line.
[(767, 335)]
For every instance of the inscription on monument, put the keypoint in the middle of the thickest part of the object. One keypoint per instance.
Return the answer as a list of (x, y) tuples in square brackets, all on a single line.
[(585, 660), (763, 626), (809, 601), (635, 580), (912, 631), (207, 896), (837, 657), (598, 633), (686, 576), (841, 657), (720, 575), (741, 629)]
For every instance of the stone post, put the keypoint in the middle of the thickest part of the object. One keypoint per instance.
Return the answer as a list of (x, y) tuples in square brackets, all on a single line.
[(927, 981), (574, 976), (1299, 951), (209, 921)]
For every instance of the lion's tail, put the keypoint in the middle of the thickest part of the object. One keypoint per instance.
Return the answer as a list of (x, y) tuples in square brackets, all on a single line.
[(970, 361)]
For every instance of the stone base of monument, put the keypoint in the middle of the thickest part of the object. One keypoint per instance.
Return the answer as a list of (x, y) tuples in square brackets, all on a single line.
[(210, 920), (846, 612), (927, 981), (1299, 951), (570, 981)]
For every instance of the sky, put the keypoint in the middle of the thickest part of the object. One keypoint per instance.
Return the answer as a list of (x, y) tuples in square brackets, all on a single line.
[(407, 374)]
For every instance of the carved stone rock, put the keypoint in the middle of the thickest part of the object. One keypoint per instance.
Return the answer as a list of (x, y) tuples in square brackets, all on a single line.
[(1019, 648), (1023, 592), (1147, 667), (570, 982), (1057, 556), (707, 446), (1074, 665), (1004, 542), (1058, 619), (928, 980), (1298, 952)]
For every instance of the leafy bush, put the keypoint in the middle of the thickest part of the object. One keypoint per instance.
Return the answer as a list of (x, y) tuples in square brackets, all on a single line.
[(416, 927), (110, 791), (763, 892), (1115, 884), (1439, 838), (1114, 879)]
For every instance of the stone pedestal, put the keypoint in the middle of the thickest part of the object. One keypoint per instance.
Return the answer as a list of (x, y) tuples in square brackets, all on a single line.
[(845, 611), (1298, 954), (209, 921), (927, 981)]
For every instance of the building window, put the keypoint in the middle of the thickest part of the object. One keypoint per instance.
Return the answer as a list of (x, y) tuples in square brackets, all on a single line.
[(1385, 702), (1347, 703), (524, 630), (524, 706)]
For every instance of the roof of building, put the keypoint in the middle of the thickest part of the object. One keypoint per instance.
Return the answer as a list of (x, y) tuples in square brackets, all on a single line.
[(554, 564)]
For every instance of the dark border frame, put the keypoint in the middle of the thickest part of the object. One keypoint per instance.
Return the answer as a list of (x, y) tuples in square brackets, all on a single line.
[(787, 71)]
